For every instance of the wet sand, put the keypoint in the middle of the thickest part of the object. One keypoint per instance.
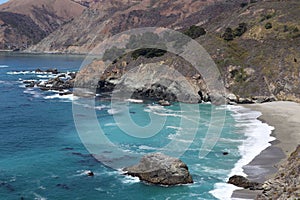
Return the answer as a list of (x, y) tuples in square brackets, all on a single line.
[(285, 117)]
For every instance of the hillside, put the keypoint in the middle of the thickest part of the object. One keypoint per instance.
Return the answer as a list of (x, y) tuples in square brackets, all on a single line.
[(106, 18), (265, 59), (26, 22), (255, 45)]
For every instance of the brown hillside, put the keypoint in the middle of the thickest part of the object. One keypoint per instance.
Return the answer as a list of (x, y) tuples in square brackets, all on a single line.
[(45, 16)]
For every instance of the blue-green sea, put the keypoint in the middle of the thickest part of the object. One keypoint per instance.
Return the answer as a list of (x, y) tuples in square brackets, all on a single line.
[(42, 155)]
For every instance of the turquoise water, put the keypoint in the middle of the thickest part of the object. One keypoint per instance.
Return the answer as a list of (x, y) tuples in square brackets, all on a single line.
[(43, 157)]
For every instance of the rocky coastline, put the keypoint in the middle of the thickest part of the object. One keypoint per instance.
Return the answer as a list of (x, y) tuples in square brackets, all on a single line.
[(156, 90)]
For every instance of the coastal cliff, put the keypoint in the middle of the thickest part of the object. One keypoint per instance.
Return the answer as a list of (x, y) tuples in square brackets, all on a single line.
[(255, 44)]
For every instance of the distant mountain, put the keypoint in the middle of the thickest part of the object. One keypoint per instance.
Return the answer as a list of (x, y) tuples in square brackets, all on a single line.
[(26, 22)]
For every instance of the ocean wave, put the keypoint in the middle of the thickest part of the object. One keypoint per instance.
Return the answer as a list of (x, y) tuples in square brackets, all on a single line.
[(33, 92), (174, 127), (223, 191), (39, 197), (19, 72), (69, 97), (258, 138), (135, 100), (101, 107), (145, 147), (4, 66), (111, 124), (130, 180)]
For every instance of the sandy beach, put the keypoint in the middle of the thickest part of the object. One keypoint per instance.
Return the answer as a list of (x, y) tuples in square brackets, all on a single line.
[(285, 117)]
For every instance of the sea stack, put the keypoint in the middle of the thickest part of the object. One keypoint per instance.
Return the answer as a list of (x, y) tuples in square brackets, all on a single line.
[(160, 169)]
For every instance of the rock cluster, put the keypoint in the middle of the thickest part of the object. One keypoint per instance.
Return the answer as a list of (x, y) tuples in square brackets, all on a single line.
[(160, 169), (60, 81)]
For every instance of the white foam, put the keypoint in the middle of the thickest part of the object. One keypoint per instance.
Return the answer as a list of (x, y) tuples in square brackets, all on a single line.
[(33, 92), (111, 124), (223, 191), (130, 180), (258, 138), (4, 66), (70, 97), (145, 147), (27, 72), (100, 107), (39, 197), (21, 72), (113, 111), (135, 100), (174, 127)]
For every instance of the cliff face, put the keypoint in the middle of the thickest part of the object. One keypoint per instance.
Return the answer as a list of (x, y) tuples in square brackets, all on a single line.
[(26, 22)]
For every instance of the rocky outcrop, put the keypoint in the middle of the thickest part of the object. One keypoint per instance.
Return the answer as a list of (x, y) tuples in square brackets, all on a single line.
[(243, 182), (285, 184), (160, 169), (157, 81), (62, 82)]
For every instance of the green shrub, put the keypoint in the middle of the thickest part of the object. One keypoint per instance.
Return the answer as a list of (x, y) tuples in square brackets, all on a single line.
[(228, 35), (240, 30), (243, 4), (195, 31), (148, 53), (268, 25)]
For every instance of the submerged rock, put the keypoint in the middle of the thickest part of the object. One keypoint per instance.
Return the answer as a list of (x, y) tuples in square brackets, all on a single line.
[(90, 173), (160, 169)]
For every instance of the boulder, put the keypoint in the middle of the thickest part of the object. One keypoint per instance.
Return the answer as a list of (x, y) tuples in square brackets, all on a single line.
[(160, 169), (164, 103), (243, 182)]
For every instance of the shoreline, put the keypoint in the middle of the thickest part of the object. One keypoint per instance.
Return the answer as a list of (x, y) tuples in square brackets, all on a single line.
[(284, 117)]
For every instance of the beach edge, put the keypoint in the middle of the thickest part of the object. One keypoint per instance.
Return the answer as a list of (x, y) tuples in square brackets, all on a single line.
[(282, 115)]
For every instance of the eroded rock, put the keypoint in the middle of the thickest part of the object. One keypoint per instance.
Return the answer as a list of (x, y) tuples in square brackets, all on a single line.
[(160, 169)]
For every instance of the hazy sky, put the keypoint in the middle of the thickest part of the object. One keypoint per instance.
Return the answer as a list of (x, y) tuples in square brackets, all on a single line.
[(3, 1)]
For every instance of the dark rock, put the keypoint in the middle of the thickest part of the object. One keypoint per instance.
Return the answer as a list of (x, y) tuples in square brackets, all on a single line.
[(245, 101), (38, 70), (52, 71), (164, 103), (90, 173), (225, 153), (160, 169), (30, 84), (243, 182), (65, 93), (63, 186)]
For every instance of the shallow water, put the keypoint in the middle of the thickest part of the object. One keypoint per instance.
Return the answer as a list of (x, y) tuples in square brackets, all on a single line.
[(43, 157)]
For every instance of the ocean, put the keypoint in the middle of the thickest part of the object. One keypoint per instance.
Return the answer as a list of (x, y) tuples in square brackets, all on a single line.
[(44, 156)]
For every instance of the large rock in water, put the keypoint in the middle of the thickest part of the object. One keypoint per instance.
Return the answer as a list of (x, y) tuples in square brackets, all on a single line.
[(160, 169)]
